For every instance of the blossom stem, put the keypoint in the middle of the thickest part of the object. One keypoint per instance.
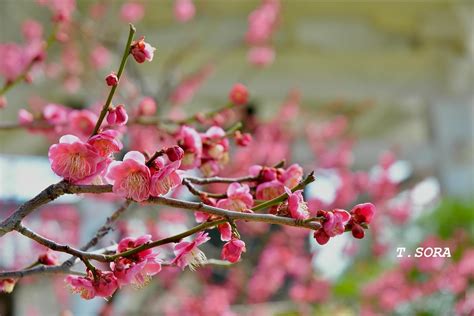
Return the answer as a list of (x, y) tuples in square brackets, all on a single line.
[(126, 53), (200, 193)]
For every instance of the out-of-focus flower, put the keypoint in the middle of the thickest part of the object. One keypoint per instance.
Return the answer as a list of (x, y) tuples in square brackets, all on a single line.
[(147, 107), (32, 30), (232, 250), (132, 12), (184, 10), (261, 56), (7, 285), (25, 117), (55, 114), (82, 122), (239, 94), (142, 51), (130, 177), (242, 139), (188, 87), (188, 254), (100, 57), (238, 198), (291, 176), (117, 115), (75, 160)]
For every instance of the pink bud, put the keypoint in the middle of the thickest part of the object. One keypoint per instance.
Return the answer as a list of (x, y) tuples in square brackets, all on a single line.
[(111, 79), (48, 259), (243, 139), (25, 117), (358, 231), (142, 51), (239, 94), (3, 102), (363, 213), (175, 153), (117, 115), (321, 237)]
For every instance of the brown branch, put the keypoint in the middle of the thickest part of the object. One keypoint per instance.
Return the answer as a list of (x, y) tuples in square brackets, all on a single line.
[(200, 193), (196, 180)]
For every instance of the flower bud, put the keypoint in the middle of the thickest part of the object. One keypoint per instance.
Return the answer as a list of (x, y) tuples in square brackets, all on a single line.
[(111, 79), (358, 231), (147, 107), (142, 51), (117, 115), (7, 285), (242, 139), (239, 94), (232, 250), (48, 259), (175, 153)]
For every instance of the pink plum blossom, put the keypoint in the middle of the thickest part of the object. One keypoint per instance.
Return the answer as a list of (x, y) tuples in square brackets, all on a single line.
[(82, 122), (55, 114), (269, 190), (335, 221), (188, 254), (25, 117), (191, 143), (130, 177), (75, 160), (292, 176), (136, 269), (239, 94), (89, 287), (232, 250), (117, 115), (32, 30), (363, 213), (100, 57), (142, 51), (111, 79), (296, 205), (226, 231), (7, 285), (106, 142), (165, 178), (238, 198)]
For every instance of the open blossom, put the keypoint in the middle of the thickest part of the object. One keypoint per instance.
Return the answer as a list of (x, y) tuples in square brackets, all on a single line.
[(238, 198), (291, 176), (165, 178), (106, 142), (7, 285), (232, 250), (55, 114), (117, 115), (104, 286), (296, 205), (215, 152), (142, 51), (130, 177), (270, 190), (226, 231), (75, 160), (190, 141), (136, 269), (334, 224), (188, 254), (239, 94), (363, 213), (184, 10)]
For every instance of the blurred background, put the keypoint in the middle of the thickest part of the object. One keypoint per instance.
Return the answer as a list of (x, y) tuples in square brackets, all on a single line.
[(395, 80)]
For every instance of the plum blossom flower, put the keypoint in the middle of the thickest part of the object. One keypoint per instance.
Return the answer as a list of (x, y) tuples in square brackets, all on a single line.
[(111, 79), (136, 269), (147, 107), (104, 285), (215, 151), (174, 153), (296, 205), (7, 285), (106, 142), (242, 139), (269, 190), (226, 231), (238, 198), (334, 224), (239, 94), (117, 115), (188, 254), (184, 10), (55, 114), (190, 141), (165, 178), (75, 160), (142, 51), (131, 177), (25, 117), (291, 176), (363, 213), (232, 250)]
